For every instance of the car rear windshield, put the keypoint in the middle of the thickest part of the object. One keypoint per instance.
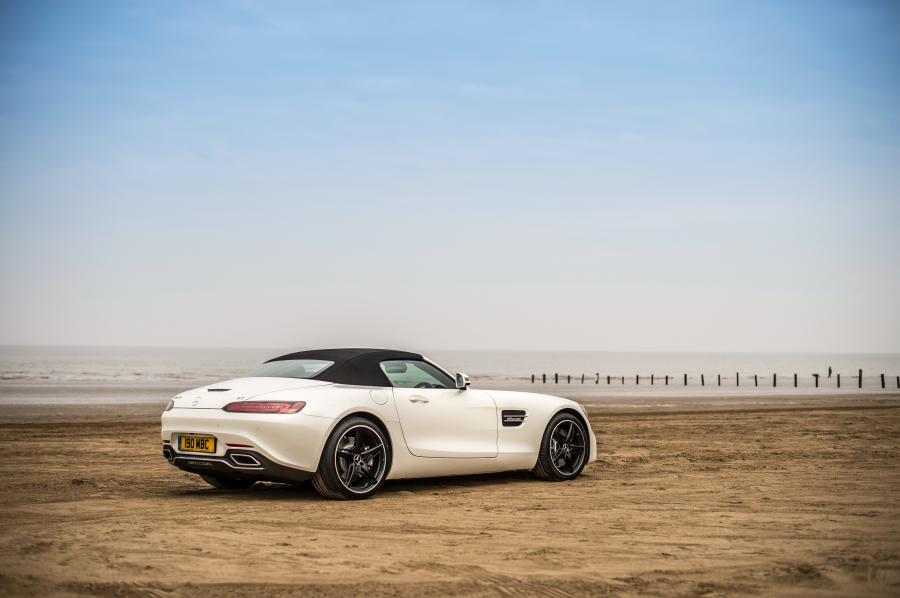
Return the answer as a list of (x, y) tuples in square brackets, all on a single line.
[(290, 368)]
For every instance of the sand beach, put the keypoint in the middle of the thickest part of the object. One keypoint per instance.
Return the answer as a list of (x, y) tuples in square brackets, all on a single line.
[(700, 497)]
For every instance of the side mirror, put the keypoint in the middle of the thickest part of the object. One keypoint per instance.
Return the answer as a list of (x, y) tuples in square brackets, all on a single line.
[(462, 381)]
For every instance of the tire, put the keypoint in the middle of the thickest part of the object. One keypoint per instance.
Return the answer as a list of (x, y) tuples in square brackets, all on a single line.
[(564, 449), (227, 483), (354, 462)]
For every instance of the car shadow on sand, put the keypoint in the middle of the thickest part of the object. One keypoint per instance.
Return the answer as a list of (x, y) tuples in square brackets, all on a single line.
[(392, 489)]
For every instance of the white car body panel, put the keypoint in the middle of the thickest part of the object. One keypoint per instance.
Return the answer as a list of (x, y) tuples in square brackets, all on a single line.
[(435, 438), (447, 422)]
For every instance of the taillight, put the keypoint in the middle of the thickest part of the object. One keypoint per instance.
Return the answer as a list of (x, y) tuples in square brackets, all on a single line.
[(264, 407), (170, 406)]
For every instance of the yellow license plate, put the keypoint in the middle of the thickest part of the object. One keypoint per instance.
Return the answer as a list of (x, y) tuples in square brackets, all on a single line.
[(197, 444)]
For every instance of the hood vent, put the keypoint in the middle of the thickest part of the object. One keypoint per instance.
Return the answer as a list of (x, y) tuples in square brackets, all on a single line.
[(217, 389)]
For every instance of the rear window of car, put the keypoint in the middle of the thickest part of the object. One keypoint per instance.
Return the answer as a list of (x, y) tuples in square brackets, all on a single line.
[(290, 368)]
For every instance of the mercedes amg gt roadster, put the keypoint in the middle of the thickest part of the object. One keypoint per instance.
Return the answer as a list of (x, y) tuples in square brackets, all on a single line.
[(349, 419)]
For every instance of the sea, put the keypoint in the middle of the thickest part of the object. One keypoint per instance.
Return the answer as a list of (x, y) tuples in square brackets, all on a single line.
[(68, 374)]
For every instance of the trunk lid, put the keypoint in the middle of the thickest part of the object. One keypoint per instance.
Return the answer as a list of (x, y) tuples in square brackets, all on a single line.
[(216, 396)]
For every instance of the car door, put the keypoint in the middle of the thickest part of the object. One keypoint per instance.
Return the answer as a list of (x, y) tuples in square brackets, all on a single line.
[(438, 419)]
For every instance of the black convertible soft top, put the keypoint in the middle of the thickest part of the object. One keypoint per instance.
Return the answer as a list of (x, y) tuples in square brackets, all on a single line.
[(359, 367)]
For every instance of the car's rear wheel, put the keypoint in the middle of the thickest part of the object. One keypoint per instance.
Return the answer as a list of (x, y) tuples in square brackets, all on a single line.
[(227, 483), (564, 449), (355, 461)]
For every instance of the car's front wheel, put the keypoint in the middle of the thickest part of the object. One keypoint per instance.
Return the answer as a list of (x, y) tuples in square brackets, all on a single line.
[(564, 449), (355, 461)]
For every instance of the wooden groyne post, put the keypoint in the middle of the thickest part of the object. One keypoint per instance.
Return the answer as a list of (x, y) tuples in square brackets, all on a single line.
[(883, 378)]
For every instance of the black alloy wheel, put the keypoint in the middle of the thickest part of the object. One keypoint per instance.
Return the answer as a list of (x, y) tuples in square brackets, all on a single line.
[(564, 449), (355, 461)]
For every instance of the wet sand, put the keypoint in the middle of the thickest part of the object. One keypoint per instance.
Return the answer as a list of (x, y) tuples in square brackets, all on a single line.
[(707, 498)]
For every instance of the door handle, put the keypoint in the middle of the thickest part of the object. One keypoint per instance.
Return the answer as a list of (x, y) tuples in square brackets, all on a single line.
[(417, 399)]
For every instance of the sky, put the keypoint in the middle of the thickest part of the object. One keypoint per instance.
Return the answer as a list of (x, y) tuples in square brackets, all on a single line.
[(668, 176)]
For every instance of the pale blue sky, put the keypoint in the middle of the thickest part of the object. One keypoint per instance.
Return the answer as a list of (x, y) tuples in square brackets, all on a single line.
[(632, 176)]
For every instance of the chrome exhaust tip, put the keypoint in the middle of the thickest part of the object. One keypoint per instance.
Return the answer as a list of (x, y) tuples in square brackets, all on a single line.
[(245, 460), (168, 453)]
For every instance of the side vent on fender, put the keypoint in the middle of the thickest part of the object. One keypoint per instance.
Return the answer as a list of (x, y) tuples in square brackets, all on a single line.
[(513, 417)]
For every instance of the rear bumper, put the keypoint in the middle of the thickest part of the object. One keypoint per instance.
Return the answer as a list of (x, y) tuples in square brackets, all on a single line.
[(292, 441), (235, 463)]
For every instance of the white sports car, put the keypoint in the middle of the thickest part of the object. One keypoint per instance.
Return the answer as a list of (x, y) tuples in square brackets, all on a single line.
[(351, 418)]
